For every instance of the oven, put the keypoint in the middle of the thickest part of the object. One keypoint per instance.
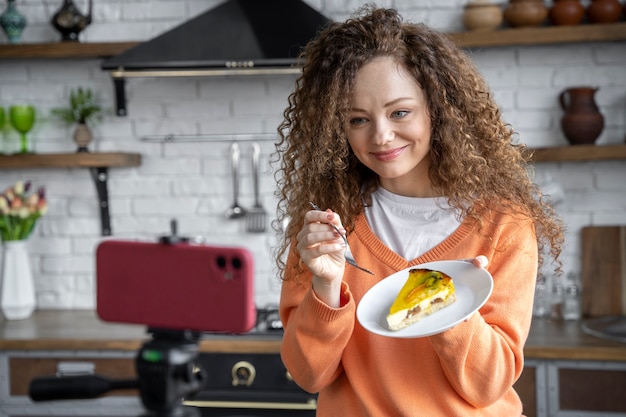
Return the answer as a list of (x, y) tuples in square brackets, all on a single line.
[(251, 384)]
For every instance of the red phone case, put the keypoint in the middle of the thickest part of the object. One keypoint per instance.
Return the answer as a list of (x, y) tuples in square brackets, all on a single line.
[(176, 286)]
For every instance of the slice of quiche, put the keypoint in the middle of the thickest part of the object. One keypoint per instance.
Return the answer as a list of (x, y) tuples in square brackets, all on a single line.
[(424, 292)]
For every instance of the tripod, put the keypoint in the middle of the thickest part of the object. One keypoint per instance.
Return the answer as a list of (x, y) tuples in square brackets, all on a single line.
[(166, 374)]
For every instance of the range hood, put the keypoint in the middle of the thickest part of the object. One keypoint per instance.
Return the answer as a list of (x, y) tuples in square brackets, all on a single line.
[(238, 37)]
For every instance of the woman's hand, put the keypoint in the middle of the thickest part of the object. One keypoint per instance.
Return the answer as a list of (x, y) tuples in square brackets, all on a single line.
[(480, 261), (322, 250)]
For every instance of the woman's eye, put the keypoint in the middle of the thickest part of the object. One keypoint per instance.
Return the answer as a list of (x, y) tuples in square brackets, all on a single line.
[(358, 120), (399, 114)]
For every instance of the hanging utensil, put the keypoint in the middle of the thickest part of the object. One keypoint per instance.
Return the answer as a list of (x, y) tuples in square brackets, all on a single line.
[(257, 217), (235, 211)]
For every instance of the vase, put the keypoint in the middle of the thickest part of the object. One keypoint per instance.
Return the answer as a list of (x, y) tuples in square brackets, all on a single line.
[(12, 22), (582, 122), (17, 300), (567, 13), (604, 11), (82, 137), (69, 21), (525, 13), (482, 16)]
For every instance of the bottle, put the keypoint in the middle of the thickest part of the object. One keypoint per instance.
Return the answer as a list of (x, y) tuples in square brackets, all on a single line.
[(571, 302), (541, 305), (556, 312)]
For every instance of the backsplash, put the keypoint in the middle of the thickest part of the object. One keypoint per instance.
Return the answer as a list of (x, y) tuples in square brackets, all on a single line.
[(191, 180)]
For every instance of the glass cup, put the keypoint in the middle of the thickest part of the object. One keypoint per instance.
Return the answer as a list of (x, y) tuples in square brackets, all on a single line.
[(22, 118)]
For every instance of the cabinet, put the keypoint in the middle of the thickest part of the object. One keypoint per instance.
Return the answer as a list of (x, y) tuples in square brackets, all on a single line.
[(566, 388), (18, 368), (526, 387)]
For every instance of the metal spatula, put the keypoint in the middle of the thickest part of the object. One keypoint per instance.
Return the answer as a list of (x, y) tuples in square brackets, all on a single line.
[(257, 216)]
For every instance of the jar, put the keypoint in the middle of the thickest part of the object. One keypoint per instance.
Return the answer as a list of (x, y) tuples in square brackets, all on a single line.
[(558, 295), (542, 300), (604, 11), (571, 302), (525, 13), (481, 15), (566, 13)]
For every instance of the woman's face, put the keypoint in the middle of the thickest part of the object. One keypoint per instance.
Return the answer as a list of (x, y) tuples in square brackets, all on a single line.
[(389, 127)]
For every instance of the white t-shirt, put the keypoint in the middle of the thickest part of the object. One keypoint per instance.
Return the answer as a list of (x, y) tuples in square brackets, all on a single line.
[(410, 226)]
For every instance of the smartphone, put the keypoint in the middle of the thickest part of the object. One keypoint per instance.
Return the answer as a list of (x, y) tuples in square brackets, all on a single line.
[(179, 286)]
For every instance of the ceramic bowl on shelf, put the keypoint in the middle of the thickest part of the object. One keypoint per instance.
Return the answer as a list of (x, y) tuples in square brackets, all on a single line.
[(604, 11), (525, 13), (482, 15), (566, 13)]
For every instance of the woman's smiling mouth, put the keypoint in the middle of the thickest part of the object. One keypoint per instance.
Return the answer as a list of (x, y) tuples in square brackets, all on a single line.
[(388, 155)]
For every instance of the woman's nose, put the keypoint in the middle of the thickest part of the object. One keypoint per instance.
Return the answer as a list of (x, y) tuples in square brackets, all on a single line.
[(383, 133)]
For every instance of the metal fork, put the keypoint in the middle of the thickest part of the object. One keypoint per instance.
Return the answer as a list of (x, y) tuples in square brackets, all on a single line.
[(348, 253)]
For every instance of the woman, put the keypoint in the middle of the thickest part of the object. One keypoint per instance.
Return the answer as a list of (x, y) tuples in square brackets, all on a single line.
[(392, 129)]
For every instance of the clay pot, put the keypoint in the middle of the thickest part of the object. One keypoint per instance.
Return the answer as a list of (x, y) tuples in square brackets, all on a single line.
[(566, 13), (482, 15), (82, 137), (525, 13), (582, 122), (604, 11)]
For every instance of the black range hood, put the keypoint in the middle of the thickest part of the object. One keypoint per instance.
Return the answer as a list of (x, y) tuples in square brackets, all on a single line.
[(238, 37)]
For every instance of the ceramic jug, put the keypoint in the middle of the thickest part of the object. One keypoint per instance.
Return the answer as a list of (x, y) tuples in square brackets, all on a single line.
[(69, 21), (582, 122)]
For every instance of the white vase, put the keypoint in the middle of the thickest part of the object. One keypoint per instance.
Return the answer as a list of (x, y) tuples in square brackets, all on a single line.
[(17, 300)]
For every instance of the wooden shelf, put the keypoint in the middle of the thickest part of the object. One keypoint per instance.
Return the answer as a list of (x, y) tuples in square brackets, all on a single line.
[(580, 153), (542, 35), (65, 50), (500, 37), (70, 160), (97, 162)]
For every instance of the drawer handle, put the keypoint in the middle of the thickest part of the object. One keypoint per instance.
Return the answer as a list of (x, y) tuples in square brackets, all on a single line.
[(75, 368)]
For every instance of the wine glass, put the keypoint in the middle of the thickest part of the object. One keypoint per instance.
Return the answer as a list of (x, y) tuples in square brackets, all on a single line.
[(22, 117)]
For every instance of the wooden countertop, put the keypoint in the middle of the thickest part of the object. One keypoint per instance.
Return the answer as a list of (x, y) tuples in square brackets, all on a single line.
[(82, 330)]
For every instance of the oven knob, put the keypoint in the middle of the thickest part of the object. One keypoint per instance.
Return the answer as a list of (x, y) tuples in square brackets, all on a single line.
[(243, 373)]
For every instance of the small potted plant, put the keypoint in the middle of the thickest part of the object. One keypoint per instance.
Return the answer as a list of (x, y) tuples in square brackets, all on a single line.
[(84, 110)]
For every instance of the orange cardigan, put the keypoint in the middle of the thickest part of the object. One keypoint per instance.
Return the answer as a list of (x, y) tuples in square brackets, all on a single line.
[(466, 371)]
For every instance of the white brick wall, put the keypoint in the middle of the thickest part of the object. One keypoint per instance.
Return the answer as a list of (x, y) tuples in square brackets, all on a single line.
[(191, 180)]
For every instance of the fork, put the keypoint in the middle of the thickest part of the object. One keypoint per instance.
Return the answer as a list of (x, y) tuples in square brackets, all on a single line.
[(348, 253)]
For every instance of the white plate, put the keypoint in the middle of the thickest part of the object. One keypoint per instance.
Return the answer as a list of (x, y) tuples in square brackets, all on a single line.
[(473, 287)]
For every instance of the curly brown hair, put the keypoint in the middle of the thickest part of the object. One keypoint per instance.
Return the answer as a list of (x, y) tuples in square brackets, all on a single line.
[(474, 157)]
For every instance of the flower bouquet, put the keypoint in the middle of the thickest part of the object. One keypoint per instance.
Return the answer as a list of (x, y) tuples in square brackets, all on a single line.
[(19, 211)]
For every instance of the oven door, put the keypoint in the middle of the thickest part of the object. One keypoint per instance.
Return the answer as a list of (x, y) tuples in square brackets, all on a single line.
[(249, 385)]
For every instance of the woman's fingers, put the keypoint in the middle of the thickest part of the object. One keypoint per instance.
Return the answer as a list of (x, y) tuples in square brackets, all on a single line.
[(479, 261)]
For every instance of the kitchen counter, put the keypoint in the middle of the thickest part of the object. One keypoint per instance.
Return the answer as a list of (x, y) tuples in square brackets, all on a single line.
[(83, 330)]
